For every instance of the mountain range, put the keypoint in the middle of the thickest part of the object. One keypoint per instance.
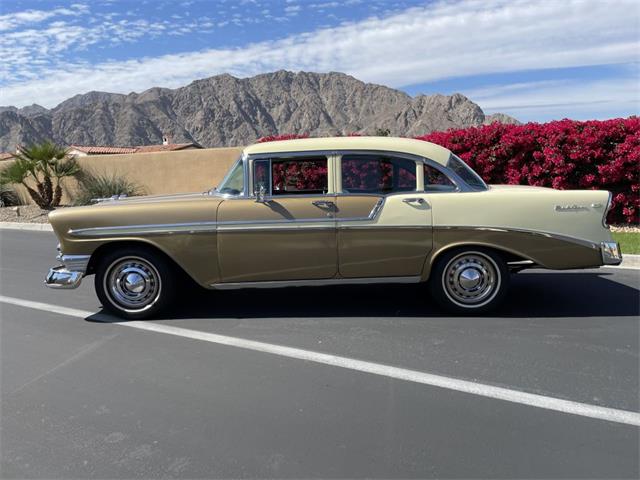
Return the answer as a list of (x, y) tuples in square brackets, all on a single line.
[(226, 111)]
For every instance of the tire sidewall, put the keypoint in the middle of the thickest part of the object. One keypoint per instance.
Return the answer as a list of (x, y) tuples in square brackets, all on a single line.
[(163, 269), (442, 297)]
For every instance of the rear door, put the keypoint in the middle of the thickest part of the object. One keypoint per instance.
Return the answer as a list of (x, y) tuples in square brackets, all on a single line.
[(384, 224)]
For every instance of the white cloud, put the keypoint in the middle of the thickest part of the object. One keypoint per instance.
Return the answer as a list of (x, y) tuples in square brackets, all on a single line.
[(552, 99), (463, 38), (14, 20)]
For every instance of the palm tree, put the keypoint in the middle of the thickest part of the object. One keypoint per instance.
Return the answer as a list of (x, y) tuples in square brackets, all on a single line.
[(38, 164)]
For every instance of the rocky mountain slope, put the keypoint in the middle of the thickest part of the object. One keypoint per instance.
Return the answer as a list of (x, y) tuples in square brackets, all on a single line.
[(224, 110)]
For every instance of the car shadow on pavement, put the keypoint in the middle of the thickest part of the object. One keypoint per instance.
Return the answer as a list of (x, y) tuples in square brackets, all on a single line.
[(535, 294)]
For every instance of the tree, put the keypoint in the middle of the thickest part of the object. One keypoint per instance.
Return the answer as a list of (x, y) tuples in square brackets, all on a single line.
[(44, 166), (382, 132)]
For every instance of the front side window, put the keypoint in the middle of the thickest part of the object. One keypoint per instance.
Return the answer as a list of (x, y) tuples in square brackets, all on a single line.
[(292, 176), (377, 174), (233, 183), (465, 172)]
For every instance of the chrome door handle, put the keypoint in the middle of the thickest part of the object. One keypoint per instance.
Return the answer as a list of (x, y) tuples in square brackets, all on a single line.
[(413, 200), (323, 204)]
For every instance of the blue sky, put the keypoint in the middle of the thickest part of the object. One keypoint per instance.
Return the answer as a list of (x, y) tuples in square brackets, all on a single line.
[(535, 60)]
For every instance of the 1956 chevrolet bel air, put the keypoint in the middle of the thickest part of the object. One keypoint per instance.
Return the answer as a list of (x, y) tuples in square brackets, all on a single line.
[(332, 211)]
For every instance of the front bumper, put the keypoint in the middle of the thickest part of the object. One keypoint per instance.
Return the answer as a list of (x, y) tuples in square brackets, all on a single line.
[(69, 274), (611, 254), (60, 277)]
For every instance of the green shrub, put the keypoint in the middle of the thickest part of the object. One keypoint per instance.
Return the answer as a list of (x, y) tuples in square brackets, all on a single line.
[(8, 196), (92, 186), (40, 169)]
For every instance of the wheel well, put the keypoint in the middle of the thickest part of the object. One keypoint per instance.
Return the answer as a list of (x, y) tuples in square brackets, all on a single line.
[(106, 248)]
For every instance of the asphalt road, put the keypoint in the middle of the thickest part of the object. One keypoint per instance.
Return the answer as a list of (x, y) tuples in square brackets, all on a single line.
[(86, 398)]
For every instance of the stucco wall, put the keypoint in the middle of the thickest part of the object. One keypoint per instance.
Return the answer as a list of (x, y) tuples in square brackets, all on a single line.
[(161, 172)]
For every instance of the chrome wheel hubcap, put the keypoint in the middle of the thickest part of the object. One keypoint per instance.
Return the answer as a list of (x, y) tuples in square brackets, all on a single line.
[(132, 283), (471, 279)]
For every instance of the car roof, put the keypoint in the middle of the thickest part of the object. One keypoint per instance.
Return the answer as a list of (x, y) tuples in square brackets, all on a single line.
[(389, 144)]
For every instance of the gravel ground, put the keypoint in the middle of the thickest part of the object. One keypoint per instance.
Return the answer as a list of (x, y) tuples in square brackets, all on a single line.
[(24, 214), (34, 214)]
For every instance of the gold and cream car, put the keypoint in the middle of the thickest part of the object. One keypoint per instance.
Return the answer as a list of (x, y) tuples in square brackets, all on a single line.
[(351, 210)]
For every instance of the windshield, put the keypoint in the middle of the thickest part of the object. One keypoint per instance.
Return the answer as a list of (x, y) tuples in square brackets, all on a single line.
[(233, 183), (465, 172)]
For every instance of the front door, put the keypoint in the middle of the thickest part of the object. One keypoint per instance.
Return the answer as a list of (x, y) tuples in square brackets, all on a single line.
[(286, 231), (384, 224)]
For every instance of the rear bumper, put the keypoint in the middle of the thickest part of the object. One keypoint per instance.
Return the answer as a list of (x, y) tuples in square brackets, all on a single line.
[(611, 254), (69, 274)]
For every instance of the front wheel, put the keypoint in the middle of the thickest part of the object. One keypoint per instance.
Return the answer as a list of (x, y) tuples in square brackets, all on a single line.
[(134, 283), (469, 281)]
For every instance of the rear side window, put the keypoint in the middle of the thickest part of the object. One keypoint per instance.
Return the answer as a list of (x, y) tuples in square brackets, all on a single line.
[(436, 181), (377, 174), (292, 176), (465, 172)]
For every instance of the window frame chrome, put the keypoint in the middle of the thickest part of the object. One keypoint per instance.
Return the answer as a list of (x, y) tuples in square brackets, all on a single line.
[(251, 159), (334, 158), (245, 183)]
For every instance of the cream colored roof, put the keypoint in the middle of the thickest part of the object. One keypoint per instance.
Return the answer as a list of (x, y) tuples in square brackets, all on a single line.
[(392, 144)]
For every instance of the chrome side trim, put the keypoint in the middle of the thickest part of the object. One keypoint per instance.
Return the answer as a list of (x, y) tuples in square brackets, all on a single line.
[(606, 211), (521, 263), (377, 208), (151, 229), (212, 227), (553, 235), (275, 228), (376, 226), (314, 283)]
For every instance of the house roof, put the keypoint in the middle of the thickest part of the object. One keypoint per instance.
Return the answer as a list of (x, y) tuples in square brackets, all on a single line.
[(105, 150)]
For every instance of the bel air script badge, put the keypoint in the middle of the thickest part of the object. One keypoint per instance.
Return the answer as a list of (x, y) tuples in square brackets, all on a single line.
[(570, 208)]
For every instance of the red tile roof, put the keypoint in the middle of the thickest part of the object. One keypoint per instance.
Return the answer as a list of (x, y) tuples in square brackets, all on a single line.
[(91, 150), (100, 150), (165, 148)]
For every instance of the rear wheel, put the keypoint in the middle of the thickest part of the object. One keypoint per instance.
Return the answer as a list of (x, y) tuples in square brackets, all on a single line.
[(134, 282), (472, 281)]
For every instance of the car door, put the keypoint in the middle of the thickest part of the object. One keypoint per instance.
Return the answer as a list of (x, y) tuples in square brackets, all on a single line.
[(286, 229), (384, 224)]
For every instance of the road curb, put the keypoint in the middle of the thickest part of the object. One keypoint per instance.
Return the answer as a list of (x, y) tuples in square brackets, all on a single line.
[(33, 227), (630, 261)]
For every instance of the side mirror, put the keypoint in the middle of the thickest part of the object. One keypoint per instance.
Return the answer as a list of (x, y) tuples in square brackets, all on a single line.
[(261, 194)]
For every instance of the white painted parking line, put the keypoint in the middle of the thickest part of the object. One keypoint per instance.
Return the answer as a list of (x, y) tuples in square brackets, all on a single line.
[(449, 383)]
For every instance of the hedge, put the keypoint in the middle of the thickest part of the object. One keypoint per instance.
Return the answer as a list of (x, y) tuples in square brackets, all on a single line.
[(565, 154)]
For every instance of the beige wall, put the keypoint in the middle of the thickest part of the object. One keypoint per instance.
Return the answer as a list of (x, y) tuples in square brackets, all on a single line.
[(161, 172)]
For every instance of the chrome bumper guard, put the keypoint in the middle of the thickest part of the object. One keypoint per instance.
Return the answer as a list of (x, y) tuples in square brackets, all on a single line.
[(60, 277), (610, 253), (69, 274)]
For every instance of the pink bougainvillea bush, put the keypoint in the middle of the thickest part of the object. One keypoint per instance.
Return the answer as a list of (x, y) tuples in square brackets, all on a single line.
[(282, 136), (564, 154)]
